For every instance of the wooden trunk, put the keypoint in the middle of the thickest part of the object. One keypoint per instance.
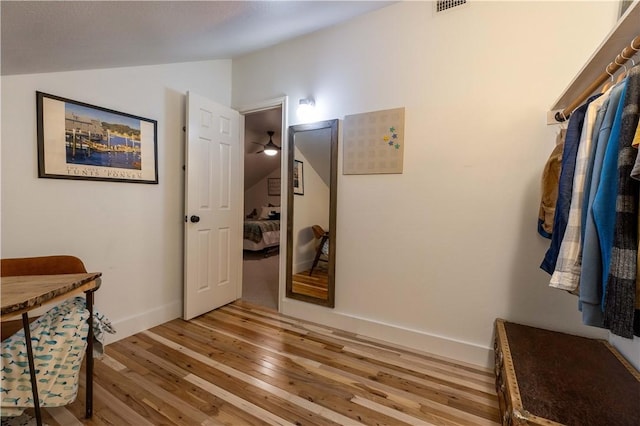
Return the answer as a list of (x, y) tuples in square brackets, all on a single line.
[(550, 378)]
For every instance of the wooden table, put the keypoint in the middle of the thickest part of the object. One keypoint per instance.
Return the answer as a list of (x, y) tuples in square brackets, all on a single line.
[(22, 294)]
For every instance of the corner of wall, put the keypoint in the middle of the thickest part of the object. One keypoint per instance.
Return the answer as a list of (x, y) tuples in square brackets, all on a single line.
[(628, 348), (144, 321)]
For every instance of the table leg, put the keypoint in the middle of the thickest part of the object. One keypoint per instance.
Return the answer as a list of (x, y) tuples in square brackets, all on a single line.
[(32, 368), (89, 358)]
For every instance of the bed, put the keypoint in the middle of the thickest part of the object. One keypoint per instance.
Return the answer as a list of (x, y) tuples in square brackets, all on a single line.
[(264, 231)]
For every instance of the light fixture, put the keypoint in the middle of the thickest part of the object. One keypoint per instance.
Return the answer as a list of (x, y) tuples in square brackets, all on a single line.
[(270, 151), (270, 148), (306, 107), (306, 103)]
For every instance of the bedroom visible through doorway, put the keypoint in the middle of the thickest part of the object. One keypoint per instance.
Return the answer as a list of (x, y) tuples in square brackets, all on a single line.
[(262, 204)]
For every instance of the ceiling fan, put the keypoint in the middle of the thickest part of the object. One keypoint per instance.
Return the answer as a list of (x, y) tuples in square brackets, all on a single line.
[(269, 148)]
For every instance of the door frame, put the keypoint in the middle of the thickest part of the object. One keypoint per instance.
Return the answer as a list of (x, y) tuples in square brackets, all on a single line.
[(282, 102)]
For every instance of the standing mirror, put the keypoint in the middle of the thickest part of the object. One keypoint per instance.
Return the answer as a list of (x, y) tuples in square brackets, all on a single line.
[(311, 215)]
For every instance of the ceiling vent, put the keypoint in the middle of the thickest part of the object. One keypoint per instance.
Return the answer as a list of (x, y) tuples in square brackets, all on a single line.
[(442, 5)]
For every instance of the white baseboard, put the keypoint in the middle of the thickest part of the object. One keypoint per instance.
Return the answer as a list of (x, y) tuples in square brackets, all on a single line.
[(417, 340), (446, 347), (144, 321)]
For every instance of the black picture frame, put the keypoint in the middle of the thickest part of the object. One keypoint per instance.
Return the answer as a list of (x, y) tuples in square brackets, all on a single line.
[(77, 140), (624, 5), (298, 177)]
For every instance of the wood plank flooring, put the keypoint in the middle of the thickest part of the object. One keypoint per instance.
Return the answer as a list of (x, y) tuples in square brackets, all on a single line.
[(315, 285), (244, 365)]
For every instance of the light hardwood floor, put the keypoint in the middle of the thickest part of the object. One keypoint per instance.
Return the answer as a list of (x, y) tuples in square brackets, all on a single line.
[(311, 285), (245, 365)]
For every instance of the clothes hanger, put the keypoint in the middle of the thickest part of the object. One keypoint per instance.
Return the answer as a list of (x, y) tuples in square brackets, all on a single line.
[(635, 51), (630, 58), (607, 84), (623, 74), (562, 128)]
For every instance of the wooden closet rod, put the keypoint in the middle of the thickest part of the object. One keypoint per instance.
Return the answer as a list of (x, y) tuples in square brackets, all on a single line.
[(610, 69)]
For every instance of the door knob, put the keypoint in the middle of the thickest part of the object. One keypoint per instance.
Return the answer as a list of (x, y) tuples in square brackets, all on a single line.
[(194, 219)]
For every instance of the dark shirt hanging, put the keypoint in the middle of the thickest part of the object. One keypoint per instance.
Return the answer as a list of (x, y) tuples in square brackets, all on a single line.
[(565, 185)]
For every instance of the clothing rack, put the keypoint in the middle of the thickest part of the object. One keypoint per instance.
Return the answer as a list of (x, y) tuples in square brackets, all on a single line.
[(627, 53)]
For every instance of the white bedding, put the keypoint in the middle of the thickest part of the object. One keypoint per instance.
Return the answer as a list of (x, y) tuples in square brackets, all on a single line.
[(269, 239)]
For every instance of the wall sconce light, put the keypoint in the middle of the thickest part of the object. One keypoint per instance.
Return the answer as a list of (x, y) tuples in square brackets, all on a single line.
[(306, 107)]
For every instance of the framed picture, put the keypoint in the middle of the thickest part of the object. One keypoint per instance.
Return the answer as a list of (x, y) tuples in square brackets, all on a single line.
[(298, 177), (273, 186), (82, 141), (624, 5)]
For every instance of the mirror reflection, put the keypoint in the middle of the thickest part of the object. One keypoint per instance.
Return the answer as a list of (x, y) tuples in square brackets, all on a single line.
[(311, 216)]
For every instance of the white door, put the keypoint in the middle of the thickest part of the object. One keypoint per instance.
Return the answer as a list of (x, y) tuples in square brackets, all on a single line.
[(213, 207)]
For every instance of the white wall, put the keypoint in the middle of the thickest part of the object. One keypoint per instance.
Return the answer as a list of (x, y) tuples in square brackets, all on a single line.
[(431, 257), (132, 233)]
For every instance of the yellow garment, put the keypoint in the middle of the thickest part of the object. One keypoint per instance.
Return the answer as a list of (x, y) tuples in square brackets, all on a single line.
[(636, 138), (550, 178)]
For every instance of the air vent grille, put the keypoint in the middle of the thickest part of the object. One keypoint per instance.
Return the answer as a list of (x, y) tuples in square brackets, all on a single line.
[(442, 5)]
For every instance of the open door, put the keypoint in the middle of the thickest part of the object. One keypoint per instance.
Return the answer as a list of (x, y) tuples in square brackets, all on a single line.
[(213, 207)]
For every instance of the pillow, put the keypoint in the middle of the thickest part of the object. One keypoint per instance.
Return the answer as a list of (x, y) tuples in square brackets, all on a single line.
[(266, 211)]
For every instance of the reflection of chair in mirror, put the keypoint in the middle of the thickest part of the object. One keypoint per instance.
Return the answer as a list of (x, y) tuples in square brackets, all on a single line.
[(322, 251)]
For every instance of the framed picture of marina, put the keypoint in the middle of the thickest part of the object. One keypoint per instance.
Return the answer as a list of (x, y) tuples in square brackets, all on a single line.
[(81, 141)]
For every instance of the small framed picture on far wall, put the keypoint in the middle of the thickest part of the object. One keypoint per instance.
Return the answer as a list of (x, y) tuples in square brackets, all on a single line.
[(273, 186), (298, 177), (624, 5)]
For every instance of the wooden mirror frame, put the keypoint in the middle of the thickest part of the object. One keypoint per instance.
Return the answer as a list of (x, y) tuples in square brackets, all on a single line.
[(333, 189)]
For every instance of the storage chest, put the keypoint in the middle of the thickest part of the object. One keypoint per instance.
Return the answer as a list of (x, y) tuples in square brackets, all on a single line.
[(549, 378)]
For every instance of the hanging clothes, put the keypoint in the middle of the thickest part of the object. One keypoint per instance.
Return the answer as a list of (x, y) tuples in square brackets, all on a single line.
[(595, 242), (550, 179), (604, 202), (567, 271), (621, 287), (635, 173), (590, 295), (635, 143), (597, 141), (565, 185)]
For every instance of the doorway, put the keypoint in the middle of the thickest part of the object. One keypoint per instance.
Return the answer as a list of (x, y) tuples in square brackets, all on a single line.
[(264, 127)]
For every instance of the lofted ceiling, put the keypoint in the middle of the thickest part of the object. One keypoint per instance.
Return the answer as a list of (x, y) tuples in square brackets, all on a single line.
[(51, 36), (258, 165), (54, 36)]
